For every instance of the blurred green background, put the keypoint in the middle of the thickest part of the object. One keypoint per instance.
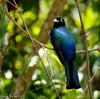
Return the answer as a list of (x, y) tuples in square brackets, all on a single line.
[(21, 56)]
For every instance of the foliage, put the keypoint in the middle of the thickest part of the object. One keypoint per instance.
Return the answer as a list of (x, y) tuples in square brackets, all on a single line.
[(20, 56), (3, 22)]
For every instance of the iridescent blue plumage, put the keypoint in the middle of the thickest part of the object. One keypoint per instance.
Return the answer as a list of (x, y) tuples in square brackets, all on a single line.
[(64, 45)]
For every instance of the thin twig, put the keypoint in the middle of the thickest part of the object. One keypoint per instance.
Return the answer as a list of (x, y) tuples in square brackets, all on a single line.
[(90, 81), (91, 50), (41, 87), (1, 61), (52, 74), (81, 68), (7, 47), (26, 32), (1, 56), (8, 15), (11, 4), (92, 32), (86, 48)]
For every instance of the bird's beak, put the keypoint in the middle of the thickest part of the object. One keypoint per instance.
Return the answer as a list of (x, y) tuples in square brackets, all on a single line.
[(55, 20)]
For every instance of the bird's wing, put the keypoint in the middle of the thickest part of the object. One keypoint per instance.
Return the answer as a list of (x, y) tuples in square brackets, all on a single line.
[(69, 52), (57, 48), (64, 43), (64, 35)]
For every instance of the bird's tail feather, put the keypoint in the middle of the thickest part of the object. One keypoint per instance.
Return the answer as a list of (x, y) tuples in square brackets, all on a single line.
[(72, 76)]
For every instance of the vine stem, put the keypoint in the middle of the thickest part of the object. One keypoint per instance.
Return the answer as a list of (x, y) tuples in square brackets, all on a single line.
[(86, 49)]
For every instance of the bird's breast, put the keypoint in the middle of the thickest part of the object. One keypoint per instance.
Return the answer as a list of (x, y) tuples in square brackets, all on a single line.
[(63, 35)]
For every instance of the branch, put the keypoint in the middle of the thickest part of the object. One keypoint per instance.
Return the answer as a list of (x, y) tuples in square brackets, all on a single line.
[(1, 56), (41, 87), (8, 15), (1, 61), (91, 50), (90, 81), (52, 74), (92, 32), (86, 48)]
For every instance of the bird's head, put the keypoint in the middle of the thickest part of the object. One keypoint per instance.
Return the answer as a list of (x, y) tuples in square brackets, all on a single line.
[(59, 21)]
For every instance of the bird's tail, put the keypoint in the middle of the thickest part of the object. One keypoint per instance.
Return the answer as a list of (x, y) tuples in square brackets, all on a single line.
[(72, 76)]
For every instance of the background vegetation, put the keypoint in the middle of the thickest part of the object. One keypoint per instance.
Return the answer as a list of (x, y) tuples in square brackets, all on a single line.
[(24, 31)]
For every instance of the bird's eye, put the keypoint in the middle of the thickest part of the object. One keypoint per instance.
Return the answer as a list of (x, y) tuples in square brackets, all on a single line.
[(61, 20)]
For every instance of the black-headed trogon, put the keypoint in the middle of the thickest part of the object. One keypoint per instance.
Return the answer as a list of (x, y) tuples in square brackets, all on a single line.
[(64, 46)]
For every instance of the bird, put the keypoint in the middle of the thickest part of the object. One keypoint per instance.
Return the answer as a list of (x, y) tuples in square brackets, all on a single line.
[(64, 45)]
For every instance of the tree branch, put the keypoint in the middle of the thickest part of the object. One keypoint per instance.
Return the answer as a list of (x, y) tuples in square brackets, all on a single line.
[(91, 50), (86, 49), (90, 81)]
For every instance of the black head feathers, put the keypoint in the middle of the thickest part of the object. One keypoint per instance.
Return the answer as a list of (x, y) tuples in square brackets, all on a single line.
[(59, 21)]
